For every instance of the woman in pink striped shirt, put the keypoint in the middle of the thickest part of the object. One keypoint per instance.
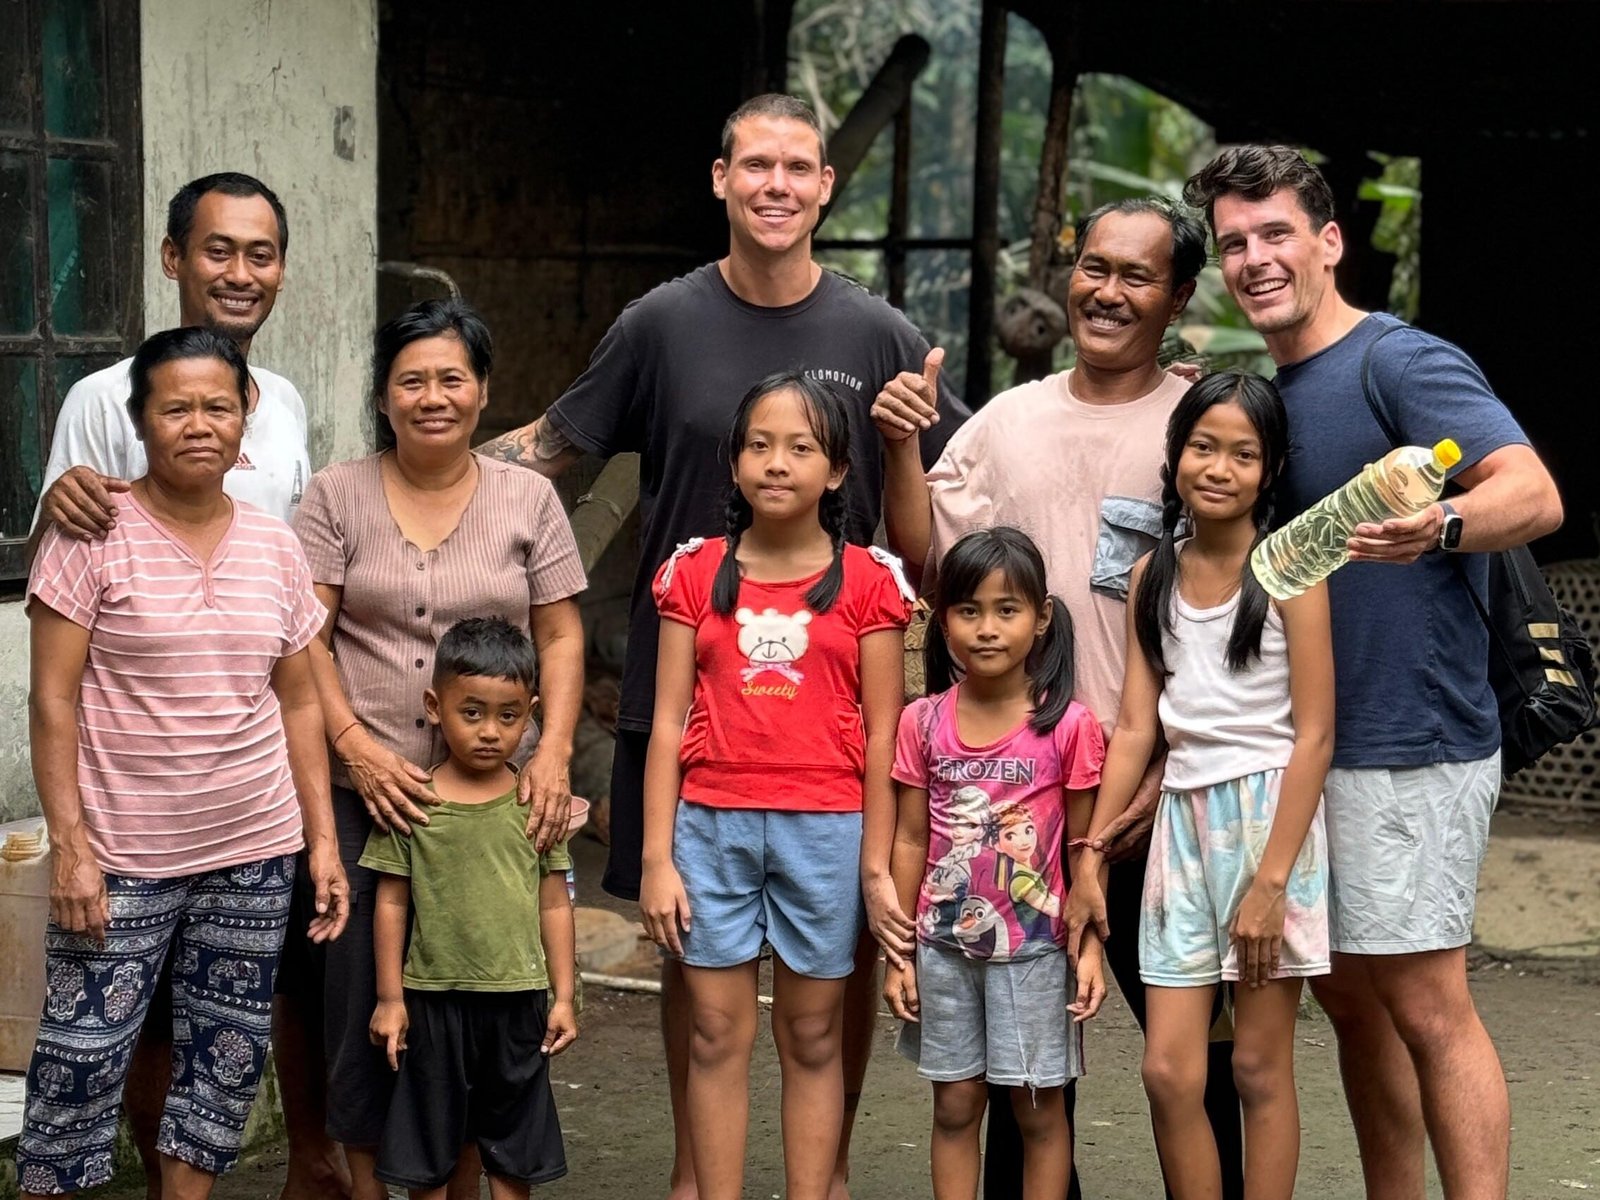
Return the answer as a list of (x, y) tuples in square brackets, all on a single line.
[(177, 747), (402, 545)]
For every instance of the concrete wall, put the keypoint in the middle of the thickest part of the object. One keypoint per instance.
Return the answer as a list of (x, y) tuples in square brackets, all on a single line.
[(285, 90)]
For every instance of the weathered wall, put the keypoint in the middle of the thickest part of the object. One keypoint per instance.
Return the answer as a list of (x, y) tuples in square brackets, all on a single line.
[(555, 160), (285, 90)]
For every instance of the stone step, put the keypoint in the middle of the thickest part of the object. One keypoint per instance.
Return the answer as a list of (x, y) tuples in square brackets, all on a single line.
[(605, 939)]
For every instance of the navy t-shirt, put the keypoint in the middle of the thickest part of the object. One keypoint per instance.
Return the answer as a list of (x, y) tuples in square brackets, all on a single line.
[(665, 381), (1410, 650)]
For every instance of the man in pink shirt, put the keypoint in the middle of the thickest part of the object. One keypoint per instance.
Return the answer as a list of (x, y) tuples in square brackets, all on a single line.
[(1074, 460)]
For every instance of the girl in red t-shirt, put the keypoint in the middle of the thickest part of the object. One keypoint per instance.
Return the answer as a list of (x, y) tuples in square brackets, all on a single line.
[(777, 691)]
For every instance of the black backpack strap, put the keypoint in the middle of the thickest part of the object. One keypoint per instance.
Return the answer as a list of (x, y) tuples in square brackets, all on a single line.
[(1370, 393)]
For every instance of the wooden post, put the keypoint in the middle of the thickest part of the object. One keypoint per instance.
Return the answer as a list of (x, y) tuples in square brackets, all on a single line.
[(986, 201), (600, 511), (1045, 228), (1047, 206), (899, 206), (886, 96)]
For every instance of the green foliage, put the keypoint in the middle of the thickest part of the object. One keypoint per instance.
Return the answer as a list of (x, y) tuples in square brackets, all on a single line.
[(1124, 140), (1399, 229)]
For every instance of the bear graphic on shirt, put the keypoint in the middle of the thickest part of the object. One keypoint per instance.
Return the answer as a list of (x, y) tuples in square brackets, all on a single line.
[(773, 641)]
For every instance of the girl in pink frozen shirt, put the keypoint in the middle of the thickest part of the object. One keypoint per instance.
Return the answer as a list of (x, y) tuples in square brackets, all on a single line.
[(995, 775)]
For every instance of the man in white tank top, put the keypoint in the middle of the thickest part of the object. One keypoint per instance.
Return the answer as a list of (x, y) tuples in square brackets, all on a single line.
[(1074, 461), (224, 247)]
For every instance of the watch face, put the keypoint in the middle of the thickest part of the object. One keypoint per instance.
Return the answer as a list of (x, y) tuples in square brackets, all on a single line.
[(1450, 532)]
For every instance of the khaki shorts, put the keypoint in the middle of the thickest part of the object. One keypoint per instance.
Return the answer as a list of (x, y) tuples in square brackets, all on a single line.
[(1404, 848)]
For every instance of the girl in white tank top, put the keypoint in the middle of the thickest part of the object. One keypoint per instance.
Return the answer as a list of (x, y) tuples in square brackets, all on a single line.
[(1241, 688)]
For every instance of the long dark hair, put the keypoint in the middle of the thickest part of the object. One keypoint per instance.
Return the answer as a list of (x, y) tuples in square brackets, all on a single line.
[(1152, 614), (830, 425), (1011, 552)]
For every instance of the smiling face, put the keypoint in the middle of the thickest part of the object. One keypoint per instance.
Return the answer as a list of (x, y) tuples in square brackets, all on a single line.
[(1018, 838), (482, 718), (1278, 269), (781, 469), (1120, 299), (192, 423), (1219, 472), (230, 268), (774, 186), (432, 398)]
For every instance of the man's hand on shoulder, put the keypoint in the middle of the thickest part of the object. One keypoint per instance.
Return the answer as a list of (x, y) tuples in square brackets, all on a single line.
[(909, 403), (79, 503)]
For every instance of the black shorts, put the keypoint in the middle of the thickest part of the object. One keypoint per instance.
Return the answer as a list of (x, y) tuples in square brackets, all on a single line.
[(472, 1071), (359, 1079), (625, 860), (301, 965)]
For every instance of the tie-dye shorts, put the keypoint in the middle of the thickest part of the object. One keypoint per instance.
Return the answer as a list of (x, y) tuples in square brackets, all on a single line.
[(1205, 849)]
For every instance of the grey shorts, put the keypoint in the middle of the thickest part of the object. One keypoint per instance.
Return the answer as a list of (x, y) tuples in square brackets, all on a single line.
[(1004, 1022), (1404, 847)]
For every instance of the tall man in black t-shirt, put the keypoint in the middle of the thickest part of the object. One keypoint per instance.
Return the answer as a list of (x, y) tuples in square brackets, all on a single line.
[(665, 381)]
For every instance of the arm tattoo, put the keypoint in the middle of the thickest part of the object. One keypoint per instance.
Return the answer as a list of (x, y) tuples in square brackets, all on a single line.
[(540, 446)]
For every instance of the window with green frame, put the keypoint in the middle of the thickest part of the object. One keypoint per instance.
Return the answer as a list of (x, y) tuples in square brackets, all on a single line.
[(70, 225)]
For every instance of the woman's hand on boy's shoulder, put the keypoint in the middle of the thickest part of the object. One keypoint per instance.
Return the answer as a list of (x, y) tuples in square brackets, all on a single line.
[(560, 1027), (544, 788)]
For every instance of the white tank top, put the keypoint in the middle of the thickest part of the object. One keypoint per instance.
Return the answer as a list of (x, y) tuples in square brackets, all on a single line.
[(1222, 724)]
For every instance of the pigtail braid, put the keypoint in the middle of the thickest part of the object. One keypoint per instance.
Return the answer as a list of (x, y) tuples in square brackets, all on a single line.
[(1050, 670), (736, 515), (831, 516), (1244, 640), (1152, 614)]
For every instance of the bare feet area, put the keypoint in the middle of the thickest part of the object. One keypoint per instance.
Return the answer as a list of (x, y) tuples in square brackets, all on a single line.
[(1535, 976)]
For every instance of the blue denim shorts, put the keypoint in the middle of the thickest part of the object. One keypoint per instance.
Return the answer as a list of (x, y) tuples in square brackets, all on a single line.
[(791, 880)]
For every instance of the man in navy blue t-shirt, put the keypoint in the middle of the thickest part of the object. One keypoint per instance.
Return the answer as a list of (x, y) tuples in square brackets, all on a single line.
[(1416, 767)]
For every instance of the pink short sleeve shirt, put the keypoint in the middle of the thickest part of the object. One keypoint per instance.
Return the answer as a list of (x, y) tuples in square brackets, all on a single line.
[(182, 762)]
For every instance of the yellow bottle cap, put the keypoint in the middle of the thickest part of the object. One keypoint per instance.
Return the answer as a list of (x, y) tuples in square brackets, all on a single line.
[(1446, 453)]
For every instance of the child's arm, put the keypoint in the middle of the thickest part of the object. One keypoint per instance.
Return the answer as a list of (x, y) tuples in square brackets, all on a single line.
[(882, 686), (663, 904), (1088, 962), (559, 938), (907, 860), (1127, 757), (389, 1021), (1089, 971), (1258, 925)]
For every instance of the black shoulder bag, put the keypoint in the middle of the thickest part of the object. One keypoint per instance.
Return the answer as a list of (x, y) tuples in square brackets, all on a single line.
[(1540, 664)]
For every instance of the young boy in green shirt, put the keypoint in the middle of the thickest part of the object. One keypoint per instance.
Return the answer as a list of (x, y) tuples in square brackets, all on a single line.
[(491, 939)]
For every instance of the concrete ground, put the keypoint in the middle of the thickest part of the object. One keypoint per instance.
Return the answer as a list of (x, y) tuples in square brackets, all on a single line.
[(1535, 976)]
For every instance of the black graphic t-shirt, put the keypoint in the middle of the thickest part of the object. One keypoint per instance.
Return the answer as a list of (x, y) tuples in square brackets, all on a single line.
[(665, 382)]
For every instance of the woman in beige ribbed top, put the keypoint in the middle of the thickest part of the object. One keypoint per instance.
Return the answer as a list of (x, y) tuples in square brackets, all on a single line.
[(402, 545)]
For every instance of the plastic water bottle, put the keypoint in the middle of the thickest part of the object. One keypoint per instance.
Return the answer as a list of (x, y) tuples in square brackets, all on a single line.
[(1313, 546)]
